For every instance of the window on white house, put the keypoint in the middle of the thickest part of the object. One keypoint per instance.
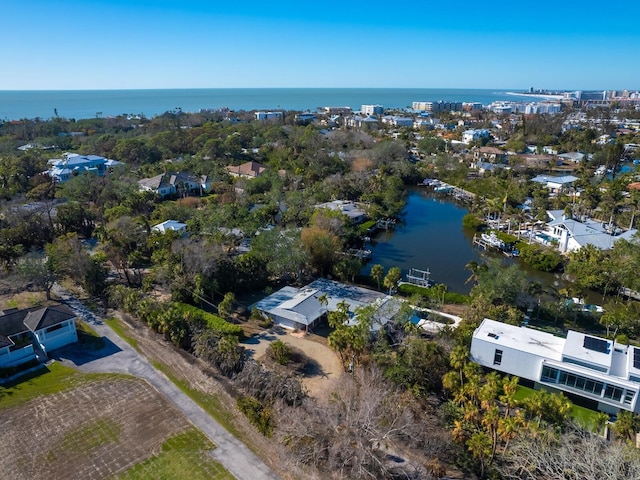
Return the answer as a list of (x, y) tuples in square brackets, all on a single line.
[(497, 357)]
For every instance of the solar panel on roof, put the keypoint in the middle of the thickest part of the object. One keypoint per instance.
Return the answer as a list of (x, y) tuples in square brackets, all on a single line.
[(596, 344), (636, 357)]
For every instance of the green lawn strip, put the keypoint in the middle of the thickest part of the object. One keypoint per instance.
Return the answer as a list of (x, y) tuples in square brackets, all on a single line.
[(209, 403), (581, 415), (53, 378), (117, 326), (182, 455)]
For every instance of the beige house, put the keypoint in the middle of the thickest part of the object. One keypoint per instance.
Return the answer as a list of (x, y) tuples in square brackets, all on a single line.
[(246, 170)]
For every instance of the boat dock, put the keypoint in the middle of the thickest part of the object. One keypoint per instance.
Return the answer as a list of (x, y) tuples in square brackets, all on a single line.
[(442, 187), (419, 277), (386, 224), (492, 242)]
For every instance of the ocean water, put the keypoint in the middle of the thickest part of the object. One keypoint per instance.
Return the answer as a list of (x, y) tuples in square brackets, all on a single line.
[(80, 104)]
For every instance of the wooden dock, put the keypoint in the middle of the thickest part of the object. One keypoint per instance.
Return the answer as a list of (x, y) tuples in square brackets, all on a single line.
[(442, 187)]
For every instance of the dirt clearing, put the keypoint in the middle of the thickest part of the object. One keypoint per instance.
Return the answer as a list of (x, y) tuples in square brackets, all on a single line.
[(93, 431)]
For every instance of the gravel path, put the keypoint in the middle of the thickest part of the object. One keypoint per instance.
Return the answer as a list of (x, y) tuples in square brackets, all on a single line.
[(329, 369)]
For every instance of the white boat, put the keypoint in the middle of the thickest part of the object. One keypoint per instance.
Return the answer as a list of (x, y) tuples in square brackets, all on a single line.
[(492, 239)]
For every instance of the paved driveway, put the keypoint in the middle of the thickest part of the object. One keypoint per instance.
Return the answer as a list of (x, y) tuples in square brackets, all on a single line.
[(121, 358)]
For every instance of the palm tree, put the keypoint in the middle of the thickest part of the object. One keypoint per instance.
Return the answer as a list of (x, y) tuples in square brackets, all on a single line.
[(535, 288), (508, 429), (476, 269), (508, 397), (458, 357), (480, 447), (377, 273)]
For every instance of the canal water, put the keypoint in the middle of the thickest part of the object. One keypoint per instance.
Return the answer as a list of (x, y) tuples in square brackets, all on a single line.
[(430, 237)]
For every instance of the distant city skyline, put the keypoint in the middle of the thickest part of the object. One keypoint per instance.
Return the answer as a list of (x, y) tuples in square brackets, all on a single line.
[(155, 44)]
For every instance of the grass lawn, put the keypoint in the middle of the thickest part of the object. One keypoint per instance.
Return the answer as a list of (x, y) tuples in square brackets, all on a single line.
[(581, 415), (53, 378), (116, 325), (182, 453)]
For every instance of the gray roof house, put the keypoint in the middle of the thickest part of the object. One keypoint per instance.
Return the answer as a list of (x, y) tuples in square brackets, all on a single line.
[(30, 333), (351, 209), (555, 184), (167, 184), (300, 308), (570, 235)]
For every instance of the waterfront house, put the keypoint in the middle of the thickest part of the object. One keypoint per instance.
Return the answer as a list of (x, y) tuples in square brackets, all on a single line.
[(168, 184), (73, 164), (246, 170), (30, 333), (352, 210), (301, 308), (570, 235), (488, 154), (601, 374)]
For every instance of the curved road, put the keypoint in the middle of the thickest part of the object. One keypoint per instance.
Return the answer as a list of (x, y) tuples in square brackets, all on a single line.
[(230, 452)]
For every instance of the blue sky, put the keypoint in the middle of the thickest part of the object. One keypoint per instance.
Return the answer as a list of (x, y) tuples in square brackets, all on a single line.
[(87, 44)]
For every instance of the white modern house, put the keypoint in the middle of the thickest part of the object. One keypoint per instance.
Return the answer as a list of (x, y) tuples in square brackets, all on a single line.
[(72, 164), (30, 333), (301, 308), (569, 235), (602, 371)]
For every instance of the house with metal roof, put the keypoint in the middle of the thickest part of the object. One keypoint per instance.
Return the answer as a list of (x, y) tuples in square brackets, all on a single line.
[(354, 211), (73, 164), (28, 334), (301, 308), (569, 234), (601, 373), (555, 184), (170, 225)]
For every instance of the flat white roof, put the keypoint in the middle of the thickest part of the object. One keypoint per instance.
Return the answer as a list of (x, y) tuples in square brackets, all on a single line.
[(539, 343), (588, 349)]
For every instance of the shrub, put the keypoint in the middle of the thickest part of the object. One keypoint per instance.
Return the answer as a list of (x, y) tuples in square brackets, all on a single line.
[(280, 352), (259, 415), (219, 325), (406, 290), (472, 222), (540, 258)]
